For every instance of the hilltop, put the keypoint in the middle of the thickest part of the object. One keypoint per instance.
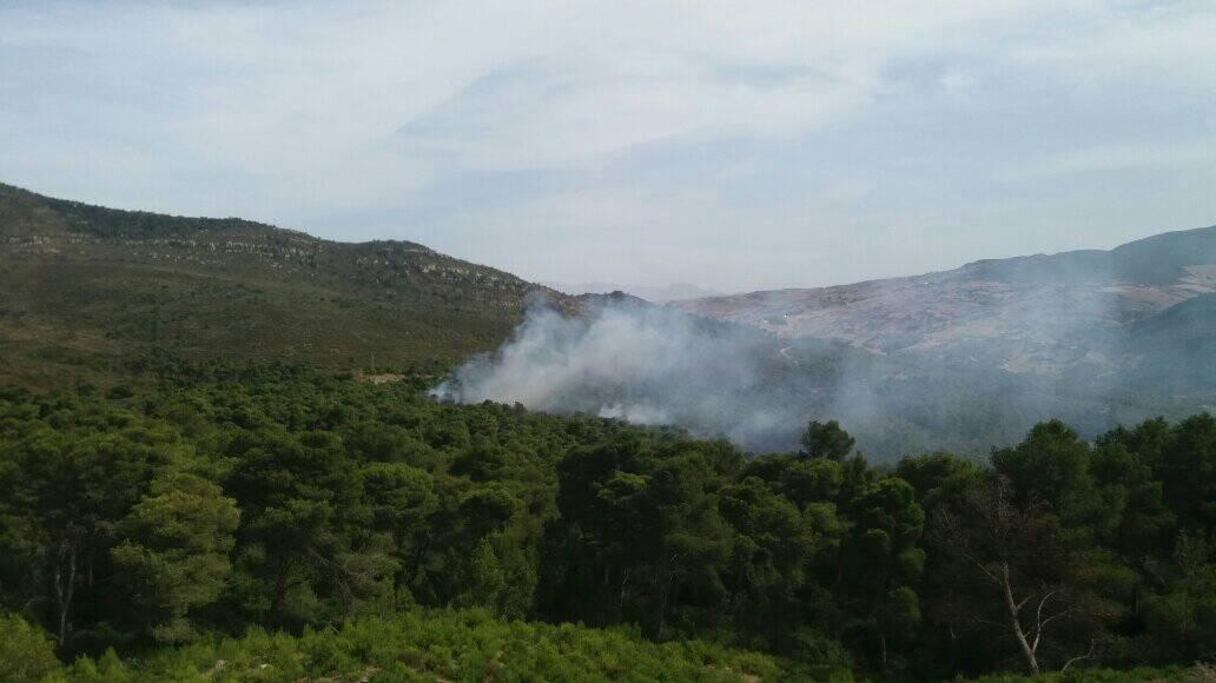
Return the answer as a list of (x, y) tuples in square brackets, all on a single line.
[(84, 289)]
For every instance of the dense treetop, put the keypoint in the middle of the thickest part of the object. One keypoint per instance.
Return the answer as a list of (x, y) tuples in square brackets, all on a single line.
[(281, 498)]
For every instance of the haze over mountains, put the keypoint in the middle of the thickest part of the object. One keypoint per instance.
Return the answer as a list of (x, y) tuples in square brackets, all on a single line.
[(960, 359), (963, 359), (676, 291), (1040, 314)]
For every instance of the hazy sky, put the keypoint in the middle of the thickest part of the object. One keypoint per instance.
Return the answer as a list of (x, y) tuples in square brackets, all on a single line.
[(734, 145)]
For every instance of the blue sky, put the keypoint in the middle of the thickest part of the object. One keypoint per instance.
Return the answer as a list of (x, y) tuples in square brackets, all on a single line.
[(731, 145)]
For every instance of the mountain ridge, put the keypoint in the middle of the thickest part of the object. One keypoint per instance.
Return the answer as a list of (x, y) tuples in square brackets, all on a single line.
[(84, 287), (1095, 336), (1105, 287)]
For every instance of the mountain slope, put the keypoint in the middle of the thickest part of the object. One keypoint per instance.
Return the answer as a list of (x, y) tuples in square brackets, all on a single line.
[(1177, 347), (972, 357), (84, 288), (1037, 314)]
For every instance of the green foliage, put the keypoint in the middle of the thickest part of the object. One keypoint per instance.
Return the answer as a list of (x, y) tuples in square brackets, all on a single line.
[(1051, 466), (1197, 674), (27, 653), (1187, 470), (826, 440), (147, 528), (86, 291), (174, 551), (442, 645)]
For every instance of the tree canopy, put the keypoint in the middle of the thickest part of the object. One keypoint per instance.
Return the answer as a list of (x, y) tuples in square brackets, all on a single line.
[(281, 498)]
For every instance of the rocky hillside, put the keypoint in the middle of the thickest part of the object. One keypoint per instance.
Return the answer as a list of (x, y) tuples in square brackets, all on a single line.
[(83, 288), (1037, 314), (972, 357)]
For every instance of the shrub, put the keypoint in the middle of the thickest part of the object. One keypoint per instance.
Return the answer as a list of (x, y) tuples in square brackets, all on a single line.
[(26, 651)]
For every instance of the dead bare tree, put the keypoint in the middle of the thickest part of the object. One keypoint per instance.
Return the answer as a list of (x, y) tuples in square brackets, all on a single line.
[(1005, 543)]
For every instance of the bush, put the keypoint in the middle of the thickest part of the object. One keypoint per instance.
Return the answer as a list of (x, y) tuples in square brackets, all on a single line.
[(26, 651), (1191, 675), (450, 645)]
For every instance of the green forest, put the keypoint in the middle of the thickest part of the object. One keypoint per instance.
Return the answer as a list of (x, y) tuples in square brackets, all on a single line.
[(283, 523)]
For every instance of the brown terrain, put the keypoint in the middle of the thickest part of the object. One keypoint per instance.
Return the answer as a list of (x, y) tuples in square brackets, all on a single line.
[(1038, 313)]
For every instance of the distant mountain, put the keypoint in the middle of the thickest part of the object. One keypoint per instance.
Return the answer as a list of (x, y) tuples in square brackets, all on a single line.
[(1036, 314), (1176, 348), (85, 287), (961, 359), (677, 291), (972, 357)]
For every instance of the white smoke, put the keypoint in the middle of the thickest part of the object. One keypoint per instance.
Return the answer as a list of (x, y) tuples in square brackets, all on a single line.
[(653, 365), (646, 364)]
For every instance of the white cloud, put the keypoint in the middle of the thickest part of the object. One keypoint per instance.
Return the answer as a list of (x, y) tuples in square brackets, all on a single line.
[(1159, 44), (266, 88), (956, 81), (1119, 157), (302, 113)]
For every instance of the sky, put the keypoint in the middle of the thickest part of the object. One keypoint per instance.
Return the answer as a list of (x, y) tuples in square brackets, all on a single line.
[(731, 145)]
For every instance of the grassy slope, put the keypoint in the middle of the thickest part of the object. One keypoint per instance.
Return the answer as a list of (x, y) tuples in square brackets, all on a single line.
[(84, 289)]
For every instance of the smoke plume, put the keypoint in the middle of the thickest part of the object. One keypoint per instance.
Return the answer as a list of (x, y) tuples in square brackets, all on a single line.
[(646, 364), (1053, 356)]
